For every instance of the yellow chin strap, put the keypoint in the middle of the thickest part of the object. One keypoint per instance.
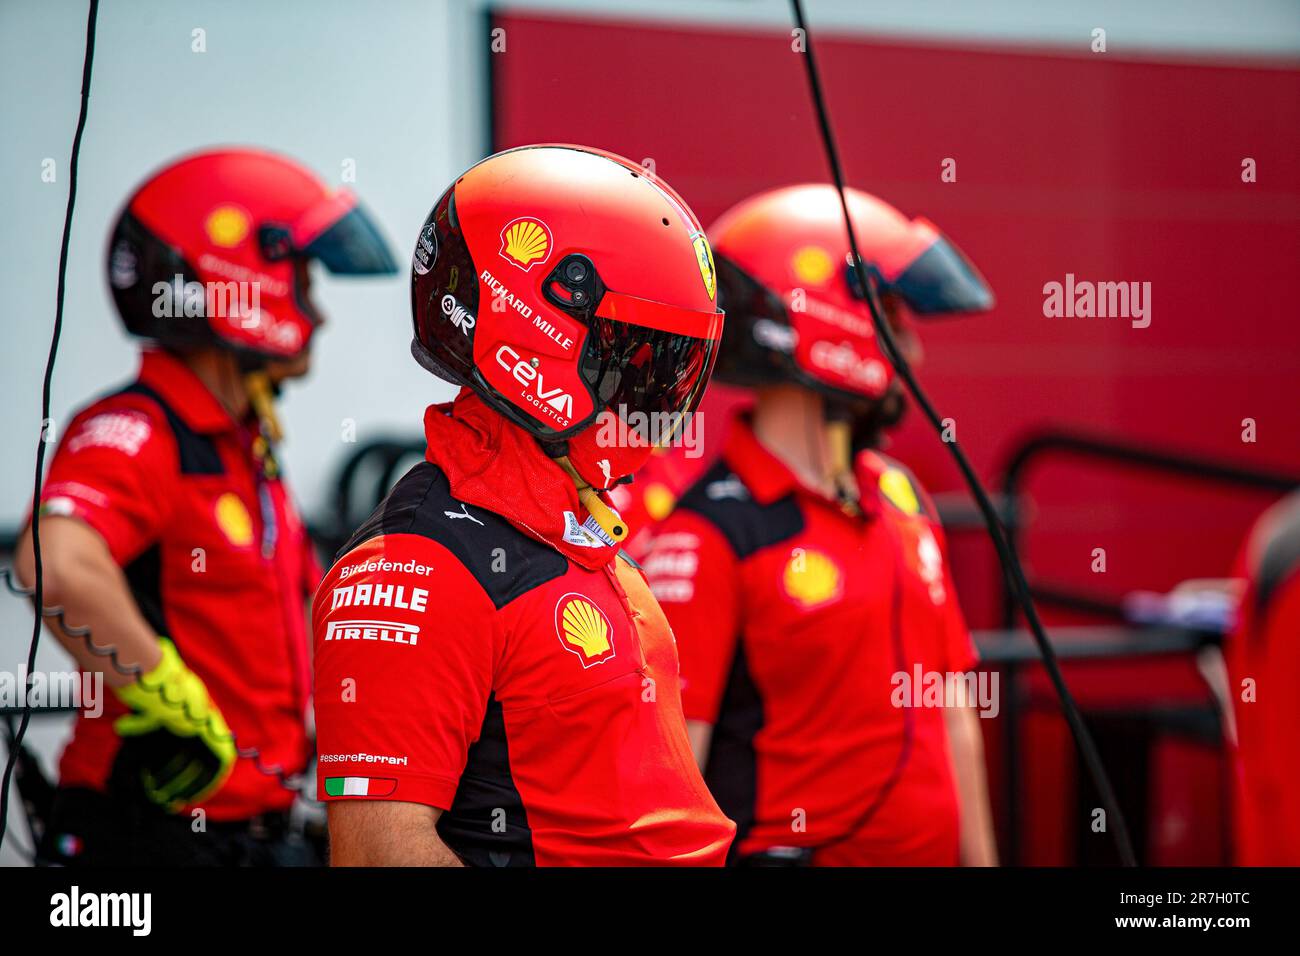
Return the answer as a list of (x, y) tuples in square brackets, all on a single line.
[(262, 400), (604, 515), (839, 442)]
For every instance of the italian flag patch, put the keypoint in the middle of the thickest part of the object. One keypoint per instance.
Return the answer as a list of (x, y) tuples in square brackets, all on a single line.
[(359, 786)]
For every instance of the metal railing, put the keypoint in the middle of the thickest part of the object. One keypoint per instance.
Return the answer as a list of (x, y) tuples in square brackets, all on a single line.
[(1123, 454)]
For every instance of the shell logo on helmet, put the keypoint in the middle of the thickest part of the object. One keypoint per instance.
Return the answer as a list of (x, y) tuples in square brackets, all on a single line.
[(525, 242), (812, 264), (227, 226), (583, 629)]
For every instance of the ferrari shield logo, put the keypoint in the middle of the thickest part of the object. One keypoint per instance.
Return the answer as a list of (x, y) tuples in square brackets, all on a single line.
[(704, 256)]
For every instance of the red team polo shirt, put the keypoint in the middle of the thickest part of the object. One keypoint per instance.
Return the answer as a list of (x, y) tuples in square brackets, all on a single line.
[(792, 619), (465, 663), (1265, 648), (216, 558)]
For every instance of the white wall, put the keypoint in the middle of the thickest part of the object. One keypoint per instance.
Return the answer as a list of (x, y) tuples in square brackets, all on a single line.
[(392, 86), (395, 89)]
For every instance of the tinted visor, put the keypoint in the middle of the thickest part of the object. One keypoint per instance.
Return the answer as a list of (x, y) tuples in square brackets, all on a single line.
[(640, 357), (352, 246), (631, 368), (337, 232), (940, 280)]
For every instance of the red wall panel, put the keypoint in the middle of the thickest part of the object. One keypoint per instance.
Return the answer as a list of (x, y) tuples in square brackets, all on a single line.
[(1109, 169)]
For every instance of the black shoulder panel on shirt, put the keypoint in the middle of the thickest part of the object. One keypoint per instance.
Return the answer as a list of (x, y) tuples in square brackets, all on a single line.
[(505, 561), (722, 498), (198, 453)]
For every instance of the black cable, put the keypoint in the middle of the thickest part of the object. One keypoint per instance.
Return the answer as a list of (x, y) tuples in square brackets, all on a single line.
[(91, 17), (1010, 565), (36, 593), (26, 854)]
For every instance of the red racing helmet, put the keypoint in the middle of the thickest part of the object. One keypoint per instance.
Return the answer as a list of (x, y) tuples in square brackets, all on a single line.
[(559, 282), (214, 249), (797, 312)]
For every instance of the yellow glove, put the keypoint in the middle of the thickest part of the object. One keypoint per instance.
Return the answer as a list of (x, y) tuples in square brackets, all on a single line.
[(176, 740)]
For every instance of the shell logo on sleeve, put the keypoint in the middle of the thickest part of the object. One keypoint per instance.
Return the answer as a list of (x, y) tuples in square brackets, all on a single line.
[(583, 629), (525, 242), (898, 489)]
